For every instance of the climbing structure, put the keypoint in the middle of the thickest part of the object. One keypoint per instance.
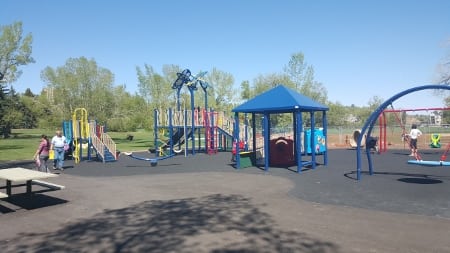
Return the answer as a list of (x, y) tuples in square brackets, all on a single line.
[(88, 136)]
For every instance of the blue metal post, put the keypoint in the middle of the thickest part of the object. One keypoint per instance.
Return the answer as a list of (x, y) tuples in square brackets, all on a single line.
[(236, 137), (89, 140), (298, 139), (192, 120), (313, 140), (325, 134), (156, 131), (254, 133), (185, 132), (170, 132), (266, 128), (245, 132)]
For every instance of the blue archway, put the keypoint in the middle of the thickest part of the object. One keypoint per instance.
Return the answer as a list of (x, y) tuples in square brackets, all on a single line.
[(368, 126)]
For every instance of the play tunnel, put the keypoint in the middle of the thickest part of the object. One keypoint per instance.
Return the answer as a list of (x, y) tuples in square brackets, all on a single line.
[(281, 152)]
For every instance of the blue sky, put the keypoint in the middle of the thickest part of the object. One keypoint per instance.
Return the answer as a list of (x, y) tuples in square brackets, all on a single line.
[(359, 49)]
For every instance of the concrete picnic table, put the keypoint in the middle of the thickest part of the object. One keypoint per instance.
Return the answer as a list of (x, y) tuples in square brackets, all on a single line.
[(21, 175)]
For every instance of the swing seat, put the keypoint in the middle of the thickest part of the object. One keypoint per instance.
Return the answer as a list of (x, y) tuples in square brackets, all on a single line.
[(435, 145), (429, 163), (435, 141)]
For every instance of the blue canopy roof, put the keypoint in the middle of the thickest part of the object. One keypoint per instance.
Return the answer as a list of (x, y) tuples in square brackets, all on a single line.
[(280, 99)]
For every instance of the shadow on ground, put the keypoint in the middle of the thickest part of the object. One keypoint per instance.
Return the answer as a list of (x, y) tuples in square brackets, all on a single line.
[(27, 202), (215, 223)]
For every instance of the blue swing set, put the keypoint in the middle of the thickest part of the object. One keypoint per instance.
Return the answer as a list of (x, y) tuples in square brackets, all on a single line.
[(153, 161)]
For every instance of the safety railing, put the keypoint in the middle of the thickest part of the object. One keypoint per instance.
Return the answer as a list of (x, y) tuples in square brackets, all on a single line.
[(98, 145), (96, 142), (110, 144)]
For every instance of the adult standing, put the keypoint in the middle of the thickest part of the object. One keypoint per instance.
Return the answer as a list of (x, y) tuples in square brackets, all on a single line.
[(58, 143), (42, 153)]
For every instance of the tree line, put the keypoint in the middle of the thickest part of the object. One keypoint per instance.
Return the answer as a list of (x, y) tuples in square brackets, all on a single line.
[(82, 83)]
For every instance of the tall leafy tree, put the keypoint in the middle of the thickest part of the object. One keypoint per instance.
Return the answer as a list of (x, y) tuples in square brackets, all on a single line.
[(266, 82), (129, 113), (444, 78), (221, 90), (444, 69), (302, 76), (20, 112), (15, 51), (81, 83), (155, 88), (337, 115), (245, 90)]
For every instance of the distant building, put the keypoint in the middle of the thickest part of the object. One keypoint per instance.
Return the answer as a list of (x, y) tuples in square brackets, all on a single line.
[(432, 119), (435, 119), (351, 118)]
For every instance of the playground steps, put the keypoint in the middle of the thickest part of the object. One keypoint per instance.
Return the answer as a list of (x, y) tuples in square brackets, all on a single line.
[(102, 143), (108, 156), (227, 142), (226, 133)]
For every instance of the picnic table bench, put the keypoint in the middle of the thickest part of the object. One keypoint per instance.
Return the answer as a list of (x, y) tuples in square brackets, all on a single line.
[(25, 175)]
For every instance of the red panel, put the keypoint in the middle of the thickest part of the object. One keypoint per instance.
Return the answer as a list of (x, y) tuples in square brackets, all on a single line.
[(282, 152)]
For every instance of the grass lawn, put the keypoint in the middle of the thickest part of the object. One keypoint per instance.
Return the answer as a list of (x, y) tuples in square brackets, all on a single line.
[(23, 142)]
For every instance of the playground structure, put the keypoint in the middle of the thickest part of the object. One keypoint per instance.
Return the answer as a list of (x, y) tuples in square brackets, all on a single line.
[(370, 123), (191, 130), (88, 136), (209, 133)]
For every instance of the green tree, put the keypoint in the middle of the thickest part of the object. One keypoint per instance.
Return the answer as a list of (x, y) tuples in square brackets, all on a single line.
[(302, 76), (266, 82), (156, 89), (28, 93), (81, 83), (446, 114), (245, 90), (221, 90), (444, 78), (444, 69), (29, 109), (20, 112), (15, 51), (337, 115), (130, 112)]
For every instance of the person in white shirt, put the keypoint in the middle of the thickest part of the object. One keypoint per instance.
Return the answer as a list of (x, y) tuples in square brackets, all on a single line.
[(57, 144), (413, 135)]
